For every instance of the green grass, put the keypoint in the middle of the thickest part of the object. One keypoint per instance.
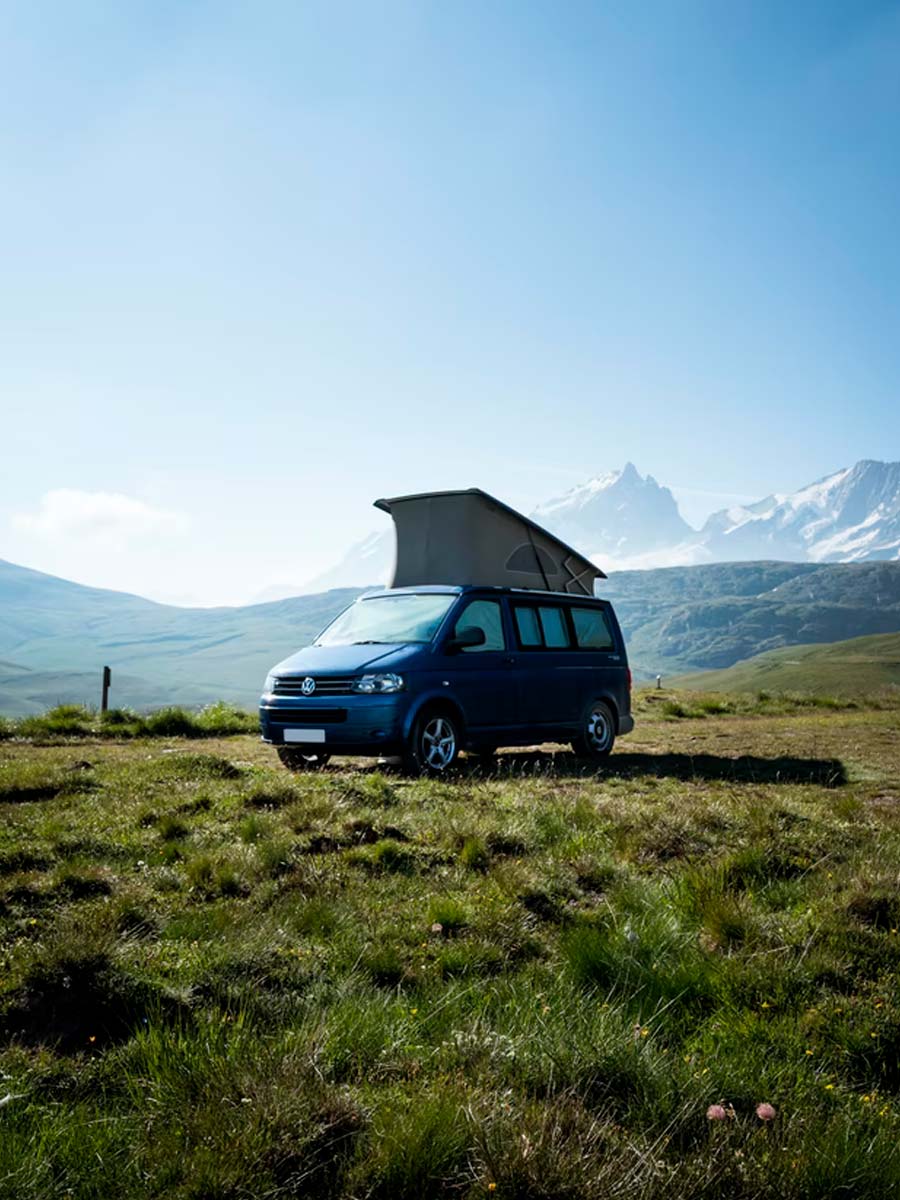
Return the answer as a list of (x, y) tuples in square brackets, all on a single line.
[(72, 721), (677, 702), (221, 980), (846, 669)]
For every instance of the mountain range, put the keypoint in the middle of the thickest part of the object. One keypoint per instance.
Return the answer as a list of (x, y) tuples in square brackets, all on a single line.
[(626, 521), (55, 636), (850, 516)]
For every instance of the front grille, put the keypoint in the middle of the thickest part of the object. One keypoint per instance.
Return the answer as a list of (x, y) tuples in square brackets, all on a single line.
[(326, 685), (307, 716)]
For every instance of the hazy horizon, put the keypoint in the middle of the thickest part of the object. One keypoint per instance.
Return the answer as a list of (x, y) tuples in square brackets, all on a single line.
[(691, 499)]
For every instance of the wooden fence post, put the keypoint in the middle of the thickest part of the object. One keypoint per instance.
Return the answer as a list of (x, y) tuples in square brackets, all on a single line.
[(104, 702)]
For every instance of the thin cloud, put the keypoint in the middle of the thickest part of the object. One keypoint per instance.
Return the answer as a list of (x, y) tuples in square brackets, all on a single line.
[(110, 518)]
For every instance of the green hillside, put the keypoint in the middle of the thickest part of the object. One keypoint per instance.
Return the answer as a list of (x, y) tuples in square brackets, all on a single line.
[(159, 654), (55, 636), (683, 619), (860, 665)]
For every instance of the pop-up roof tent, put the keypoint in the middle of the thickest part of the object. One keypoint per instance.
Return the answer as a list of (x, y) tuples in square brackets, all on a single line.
[(469, 537)]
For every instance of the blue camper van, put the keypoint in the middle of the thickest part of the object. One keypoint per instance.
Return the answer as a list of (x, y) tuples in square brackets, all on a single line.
[(424, 669)]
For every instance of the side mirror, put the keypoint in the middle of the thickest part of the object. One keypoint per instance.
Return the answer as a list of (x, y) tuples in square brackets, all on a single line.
[(469, 635)]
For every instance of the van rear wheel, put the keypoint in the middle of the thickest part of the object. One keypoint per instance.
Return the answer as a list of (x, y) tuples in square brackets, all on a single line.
[(301, 760), (598, 735), (433, 744)]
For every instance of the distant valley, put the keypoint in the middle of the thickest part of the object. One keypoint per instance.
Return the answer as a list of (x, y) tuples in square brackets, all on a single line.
[(55, 636)]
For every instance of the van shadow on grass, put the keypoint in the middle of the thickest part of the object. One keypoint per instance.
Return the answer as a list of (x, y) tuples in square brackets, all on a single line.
[(747, 768)]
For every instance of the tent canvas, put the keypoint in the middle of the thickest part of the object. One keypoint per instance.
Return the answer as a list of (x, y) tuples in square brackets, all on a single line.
[(468, 537)]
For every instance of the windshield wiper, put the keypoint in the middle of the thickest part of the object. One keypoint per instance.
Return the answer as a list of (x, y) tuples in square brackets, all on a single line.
[(369, 642)]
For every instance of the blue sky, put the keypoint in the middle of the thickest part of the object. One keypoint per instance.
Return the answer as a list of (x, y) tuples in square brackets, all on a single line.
[(264, 262)]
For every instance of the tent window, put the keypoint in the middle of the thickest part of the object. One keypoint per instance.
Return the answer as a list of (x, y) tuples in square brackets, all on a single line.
[(592, 630), (486, 615), (528, 559)]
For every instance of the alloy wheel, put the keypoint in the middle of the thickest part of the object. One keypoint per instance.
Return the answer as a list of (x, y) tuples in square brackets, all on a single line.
[(438, 743)]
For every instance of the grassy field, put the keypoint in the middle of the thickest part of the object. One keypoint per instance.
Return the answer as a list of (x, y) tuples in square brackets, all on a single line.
[(220, 981), (75, 721), (851, 668)]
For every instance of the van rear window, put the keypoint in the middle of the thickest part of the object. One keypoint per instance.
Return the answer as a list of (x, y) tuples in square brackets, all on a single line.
[(592, 631)]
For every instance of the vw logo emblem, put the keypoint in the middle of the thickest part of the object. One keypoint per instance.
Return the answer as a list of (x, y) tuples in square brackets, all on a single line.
[(308, 686)]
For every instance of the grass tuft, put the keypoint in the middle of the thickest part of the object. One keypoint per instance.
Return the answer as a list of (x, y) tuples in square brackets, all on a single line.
[(418, 1146), (76, 721)]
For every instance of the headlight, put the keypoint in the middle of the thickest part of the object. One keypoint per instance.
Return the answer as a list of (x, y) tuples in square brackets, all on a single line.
[(378, 683), (269, 685)]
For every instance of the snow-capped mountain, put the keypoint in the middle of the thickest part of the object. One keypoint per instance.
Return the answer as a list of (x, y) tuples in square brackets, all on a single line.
[(619, 517), (850, 516), (626, 521)]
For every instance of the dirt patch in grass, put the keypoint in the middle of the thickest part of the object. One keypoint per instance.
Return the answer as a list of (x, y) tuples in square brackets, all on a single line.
[(27, 795), (543, 906), (505, 845), (353, 834), (14, 861), (81, 1002), (879, 909), (322, 843)]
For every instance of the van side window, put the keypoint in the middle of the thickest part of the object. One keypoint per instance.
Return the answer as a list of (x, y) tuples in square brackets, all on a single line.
[(592, 630), (553, 623), (527, 627), (541, 627), (486, 615)]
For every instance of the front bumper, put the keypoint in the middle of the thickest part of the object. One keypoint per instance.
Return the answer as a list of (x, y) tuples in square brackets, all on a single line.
[(351, 724)]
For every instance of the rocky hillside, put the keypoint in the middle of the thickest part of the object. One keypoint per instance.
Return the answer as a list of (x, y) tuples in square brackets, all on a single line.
[(618, 515)]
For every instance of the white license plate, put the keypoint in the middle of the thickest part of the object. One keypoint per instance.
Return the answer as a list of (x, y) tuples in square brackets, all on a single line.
[(304, 735)]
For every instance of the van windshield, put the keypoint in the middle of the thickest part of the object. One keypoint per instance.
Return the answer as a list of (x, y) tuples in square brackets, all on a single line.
[(388, 620)]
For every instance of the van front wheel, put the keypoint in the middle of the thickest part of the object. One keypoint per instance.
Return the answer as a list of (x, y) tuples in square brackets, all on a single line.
[(433, 744), (598, 733)]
